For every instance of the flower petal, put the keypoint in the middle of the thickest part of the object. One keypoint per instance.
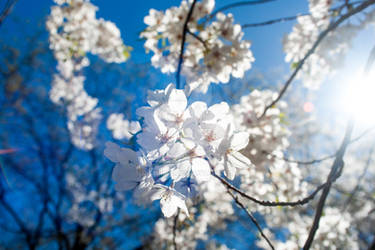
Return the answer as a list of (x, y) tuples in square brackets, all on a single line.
[(239, 141), (201, 169)]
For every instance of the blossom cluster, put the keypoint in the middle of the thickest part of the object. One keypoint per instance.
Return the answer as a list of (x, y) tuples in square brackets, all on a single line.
[(334, 230), (180, 146), (122, 128), (74, 31), (302, 38), (268, 136), (330, 53), (211, 209), (214, 50)]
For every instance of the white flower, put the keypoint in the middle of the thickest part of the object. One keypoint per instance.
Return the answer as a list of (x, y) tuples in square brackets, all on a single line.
[(129, 169), (170, 200), (233, 159), (121, 128)]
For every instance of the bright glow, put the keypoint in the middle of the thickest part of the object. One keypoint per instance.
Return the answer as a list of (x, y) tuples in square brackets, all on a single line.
[(359, 98)]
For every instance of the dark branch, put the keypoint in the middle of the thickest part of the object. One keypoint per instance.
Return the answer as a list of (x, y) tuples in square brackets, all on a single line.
[(198, 38), (270, 203), (338, 164), (185, 30), (335, 173)]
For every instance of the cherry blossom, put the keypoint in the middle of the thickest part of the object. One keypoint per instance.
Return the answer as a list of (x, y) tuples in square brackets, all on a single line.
[(183, 145), (214, 51)]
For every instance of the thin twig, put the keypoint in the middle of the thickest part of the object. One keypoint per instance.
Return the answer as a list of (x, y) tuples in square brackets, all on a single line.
[(7, 9), (322, 35), (270, 203), (185, 30), (291, 18), (278, 20), (198, 38), (252, 218), (363, 134), (309, 162), (238, 4)]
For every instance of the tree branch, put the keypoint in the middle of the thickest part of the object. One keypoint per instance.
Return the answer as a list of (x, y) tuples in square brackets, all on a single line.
[(335, 173), (181, 58), (270, 203), (7, 9)]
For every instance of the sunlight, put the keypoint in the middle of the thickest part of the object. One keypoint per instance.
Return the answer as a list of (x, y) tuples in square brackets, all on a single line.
[(359, 98)]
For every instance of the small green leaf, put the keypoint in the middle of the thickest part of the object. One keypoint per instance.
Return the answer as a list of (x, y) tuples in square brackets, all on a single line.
[(294, 65), (126, 51)]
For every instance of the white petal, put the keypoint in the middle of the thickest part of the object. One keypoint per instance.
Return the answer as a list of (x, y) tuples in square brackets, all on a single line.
[(177, 101), (177, 150), (128, 157), (181, 170), (112, 151), (229, 170), (123, 186), (180, 203), (238, 160), (197, 109), (219, 109), (239, 141), (201, 169), (168, 207)]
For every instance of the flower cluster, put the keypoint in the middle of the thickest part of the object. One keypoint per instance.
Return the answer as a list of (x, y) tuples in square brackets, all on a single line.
[(268, 136), (121, 128), (302, 38), (212, 209), (334, 231), (179, 147), (214, 51), (74, 31)]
